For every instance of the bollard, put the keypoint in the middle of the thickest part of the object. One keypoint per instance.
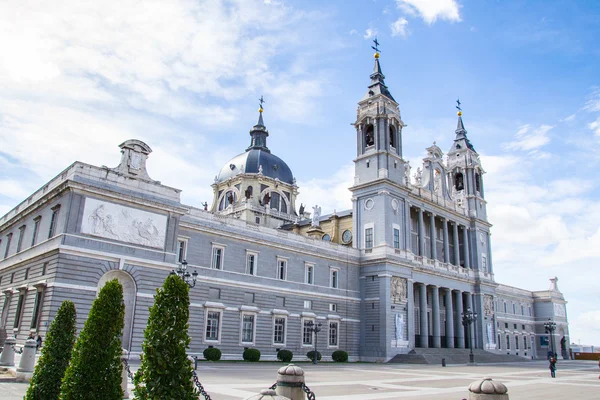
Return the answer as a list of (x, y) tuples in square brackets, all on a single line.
[(487, 389), (443, 362), (124, 376), (289, 382), (267, 394), (7, 358), (27, 363)]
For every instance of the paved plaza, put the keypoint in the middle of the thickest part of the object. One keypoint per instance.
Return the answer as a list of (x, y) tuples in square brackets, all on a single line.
[(531, 380)]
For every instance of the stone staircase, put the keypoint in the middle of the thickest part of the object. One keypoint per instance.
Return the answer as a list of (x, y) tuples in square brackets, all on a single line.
[(453, 356)]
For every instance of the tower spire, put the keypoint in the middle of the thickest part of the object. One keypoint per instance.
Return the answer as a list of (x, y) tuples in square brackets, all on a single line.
[(461, 133), (377, 85), (259, 131)]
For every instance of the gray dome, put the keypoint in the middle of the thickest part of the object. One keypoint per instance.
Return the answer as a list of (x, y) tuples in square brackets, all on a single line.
[(249, 163)]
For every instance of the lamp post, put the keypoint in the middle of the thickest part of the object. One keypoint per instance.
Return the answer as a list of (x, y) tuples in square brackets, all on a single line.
[(316, 328), (467, 319), (550, 327), (183, 273)]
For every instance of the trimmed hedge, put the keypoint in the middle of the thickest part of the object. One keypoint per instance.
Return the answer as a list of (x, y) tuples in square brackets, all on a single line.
[(54, 360), (95, 368), (339, 356), (311, 355), (285, 355), (165, 371), (251, 355), (212, 354)]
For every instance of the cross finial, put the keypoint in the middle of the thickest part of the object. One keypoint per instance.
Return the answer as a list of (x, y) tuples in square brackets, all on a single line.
[(376, 47), (261, 101), (458, 105)]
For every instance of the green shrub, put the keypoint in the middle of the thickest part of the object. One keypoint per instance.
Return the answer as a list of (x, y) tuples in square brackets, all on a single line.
[(212, 354), (95, 368), (285, 355), (55, 355), (252, 355), (311, 355), (165, 371), (339, 356)]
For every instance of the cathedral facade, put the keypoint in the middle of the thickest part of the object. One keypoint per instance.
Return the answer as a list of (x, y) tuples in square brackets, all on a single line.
[(396, 272)]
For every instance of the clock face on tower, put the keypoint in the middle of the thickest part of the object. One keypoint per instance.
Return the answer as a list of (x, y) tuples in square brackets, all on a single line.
[(347, 236)]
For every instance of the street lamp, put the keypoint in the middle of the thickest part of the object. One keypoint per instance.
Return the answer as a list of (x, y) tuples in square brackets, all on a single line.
[(467, 319), (183, 273), (550, 327), (316, 328)]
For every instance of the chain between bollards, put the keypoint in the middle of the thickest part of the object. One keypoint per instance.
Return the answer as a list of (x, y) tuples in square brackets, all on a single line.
[(309, 393), (200, 387), (129, 374), (16, 350)]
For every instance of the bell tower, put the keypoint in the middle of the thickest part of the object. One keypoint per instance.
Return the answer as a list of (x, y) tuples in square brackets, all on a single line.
[(379, 181)]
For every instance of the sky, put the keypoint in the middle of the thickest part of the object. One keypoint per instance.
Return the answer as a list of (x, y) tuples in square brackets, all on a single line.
[(77, 78)]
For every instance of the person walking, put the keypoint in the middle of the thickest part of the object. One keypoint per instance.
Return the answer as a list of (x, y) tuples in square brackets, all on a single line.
[(552, 367)]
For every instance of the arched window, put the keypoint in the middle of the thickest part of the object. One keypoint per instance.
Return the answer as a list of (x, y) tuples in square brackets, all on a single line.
[(276, 202), (459, 183), (248, 192), (369, 135), (392, 136), (477, 182), (228, 199)]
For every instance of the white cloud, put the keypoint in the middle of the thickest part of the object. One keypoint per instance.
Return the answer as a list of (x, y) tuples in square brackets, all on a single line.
[(400, 27), (528, 138), (331, 194), (431, 10), (593, 102), (370, 33), (595, 126)]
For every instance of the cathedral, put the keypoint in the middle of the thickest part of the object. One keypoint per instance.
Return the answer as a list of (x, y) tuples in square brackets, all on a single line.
[(399, 272)]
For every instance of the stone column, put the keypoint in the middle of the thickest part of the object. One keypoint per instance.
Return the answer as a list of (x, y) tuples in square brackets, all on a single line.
[(408, 228), (456, 248), (435, 316), (446, 243), (410, 311), (460, 333), (27, 362), (433, 237), (289, 382), (421, 233), (449, 320), (424, 336), (7, 358), (466, 245)]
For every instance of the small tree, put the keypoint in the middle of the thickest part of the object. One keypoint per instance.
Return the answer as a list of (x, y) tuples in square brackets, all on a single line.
[(95, 368), (56, 353), (165, 371)]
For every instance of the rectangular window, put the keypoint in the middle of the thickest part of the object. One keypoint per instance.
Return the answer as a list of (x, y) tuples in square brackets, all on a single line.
[(522, 310), (396, 238), (4, 316), (8, 240), (26, 276), (333, 307), (20, 241), (36, 229), (507, 342), (37, 310), (524, 343), (12, 277), (515, 326), (257, 220), (281, 269), (506, 325), (308, 304), (516, 343), (212, 325), (514, 308), (279, 330), (217, 258), (310, 274), (248, 328), (333, 334), (369, 238), (19, 312), (505, 308), (251, 263), (53, 221), (307, 334), (181, 250), (44, 266), (334, 278)]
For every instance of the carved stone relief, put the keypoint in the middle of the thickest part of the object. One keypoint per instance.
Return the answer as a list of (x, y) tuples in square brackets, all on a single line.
[(488, 305), (113, 221), (398, 289)]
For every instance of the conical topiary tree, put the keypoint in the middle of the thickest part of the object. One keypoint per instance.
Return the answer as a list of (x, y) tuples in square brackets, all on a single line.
[(95, 369), (165, 371), (56, 353)]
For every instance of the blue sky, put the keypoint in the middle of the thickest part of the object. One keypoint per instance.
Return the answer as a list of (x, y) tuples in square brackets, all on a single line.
[(78, 78)]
